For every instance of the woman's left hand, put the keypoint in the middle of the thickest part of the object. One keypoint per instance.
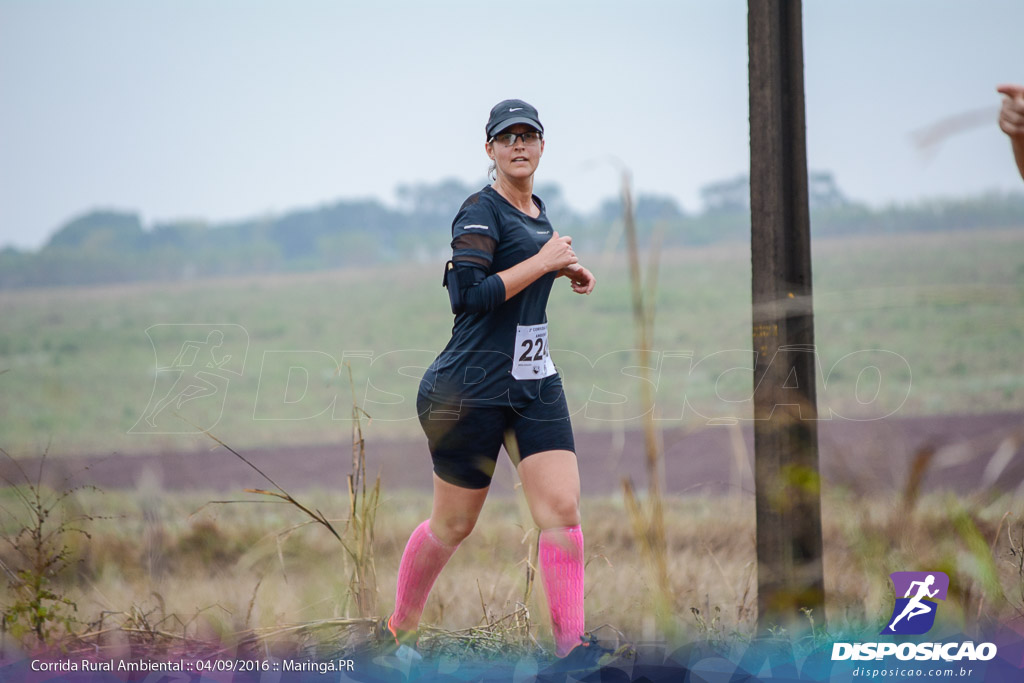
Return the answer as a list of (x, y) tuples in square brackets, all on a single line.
[(582, 279)]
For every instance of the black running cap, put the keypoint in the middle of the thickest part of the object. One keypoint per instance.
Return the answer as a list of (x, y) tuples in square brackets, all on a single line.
[(510, 112)]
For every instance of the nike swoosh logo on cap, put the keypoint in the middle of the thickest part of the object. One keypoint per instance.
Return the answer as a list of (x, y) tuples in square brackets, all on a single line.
[(516, 109)]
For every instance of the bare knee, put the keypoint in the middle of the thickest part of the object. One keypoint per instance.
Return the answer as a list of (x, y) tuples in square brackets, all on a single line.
[(551, 482), (452, 530), (558, 511)]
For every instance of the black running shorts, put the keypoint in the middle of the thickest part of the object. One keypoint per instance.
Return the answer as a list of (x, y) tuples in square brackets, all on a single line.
[(465, 440)]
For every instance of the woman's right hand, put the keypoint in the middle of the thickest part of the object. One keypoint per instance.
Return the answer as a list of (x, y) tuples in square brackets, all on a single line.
[(1011, 116), (557, 253)]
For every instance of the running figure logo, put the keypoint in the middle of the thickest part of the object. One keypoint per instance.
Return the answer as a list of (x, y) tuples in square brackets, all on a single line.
[(194, 384), (914, 613)]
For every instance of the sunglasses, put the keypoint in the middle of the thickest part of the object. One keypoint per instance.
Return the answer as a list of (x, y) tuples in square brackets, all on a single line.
[(508, 139)]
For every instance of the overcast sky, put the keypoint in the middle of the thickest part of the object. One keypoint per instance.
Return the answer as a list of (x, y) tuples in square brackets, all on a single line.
[(223, 110)]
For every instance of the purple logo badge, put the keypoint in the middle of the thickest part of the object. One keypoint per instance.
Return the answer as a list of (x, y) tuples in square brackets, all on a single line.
[(916, 593)]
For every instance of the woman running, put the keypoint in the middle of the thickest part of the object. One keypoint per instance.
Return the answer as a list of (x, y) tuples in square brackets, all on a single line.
[(496, 376)]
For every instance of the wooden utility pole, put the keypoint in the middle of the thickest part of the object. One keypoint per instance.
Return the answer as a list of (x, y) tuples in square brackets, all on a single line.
[(788, 500)]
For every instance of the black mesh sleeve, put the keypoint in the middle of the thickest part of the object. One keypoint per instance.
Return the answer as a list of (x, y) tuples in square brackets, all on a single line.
[(475, 235), (473, 248)]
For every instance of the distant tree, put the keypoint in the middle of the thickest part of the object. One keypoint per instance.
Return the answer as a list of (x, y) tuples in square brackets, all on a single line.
[(733, 195), (434, 200), (366, 215), (649, 208), (823, 192), (296, 233), (299, 234), (183, 235), (14, 266), (100, 230), (727, 196), (112, 246)]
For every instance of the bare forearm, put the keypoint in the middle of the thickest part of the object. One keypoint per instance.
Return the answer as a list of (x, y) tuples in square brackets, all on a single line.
[(556, 254), (522, 275)]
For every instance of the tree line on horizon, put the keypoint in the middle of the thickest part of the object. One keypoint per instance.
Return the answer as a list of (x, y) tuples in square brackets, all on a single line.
[(107, 247)]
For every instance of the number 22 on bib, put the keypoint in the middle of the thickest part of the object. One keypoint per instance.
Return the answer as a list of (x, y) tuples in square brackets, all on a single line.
[(531, 359)]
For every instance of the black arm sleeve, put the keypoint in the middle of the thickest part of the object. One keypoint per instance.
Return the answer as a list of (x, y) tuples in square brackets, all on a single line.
[(480, 292), (475, 236)]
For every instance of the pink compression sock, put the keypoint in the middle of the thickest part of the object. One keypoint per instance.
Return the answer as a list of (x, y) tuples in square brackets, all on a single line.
[(561, 569), (424, 557)]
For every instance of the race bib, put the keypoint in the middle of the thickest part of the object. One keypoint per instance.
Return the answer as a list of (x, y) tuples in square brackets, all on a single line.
[(531, 359)]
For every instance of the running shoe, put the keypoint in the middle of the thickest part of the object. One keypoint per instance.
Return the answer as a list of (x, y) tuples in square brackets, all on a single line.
[(584, 657), (400, 644)]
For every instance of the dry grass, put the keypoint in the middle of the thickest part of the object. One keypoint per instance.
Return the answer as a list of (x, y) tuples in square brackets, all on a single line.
[(157, 573)]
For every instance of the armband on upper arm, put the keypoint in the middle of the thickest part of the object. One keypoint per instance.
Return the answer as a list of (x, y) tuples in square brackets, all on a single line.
[(451, 282), (471, 289)]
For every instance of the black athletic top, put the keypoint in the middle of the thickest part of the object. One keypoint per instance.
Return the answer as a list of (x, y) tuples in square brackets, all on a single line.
[(497, 355)]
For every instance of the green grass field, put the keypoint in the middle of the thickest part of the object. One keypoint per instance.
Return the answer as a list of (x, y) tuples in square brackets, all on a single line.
[(80, 371), (940, 316)]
